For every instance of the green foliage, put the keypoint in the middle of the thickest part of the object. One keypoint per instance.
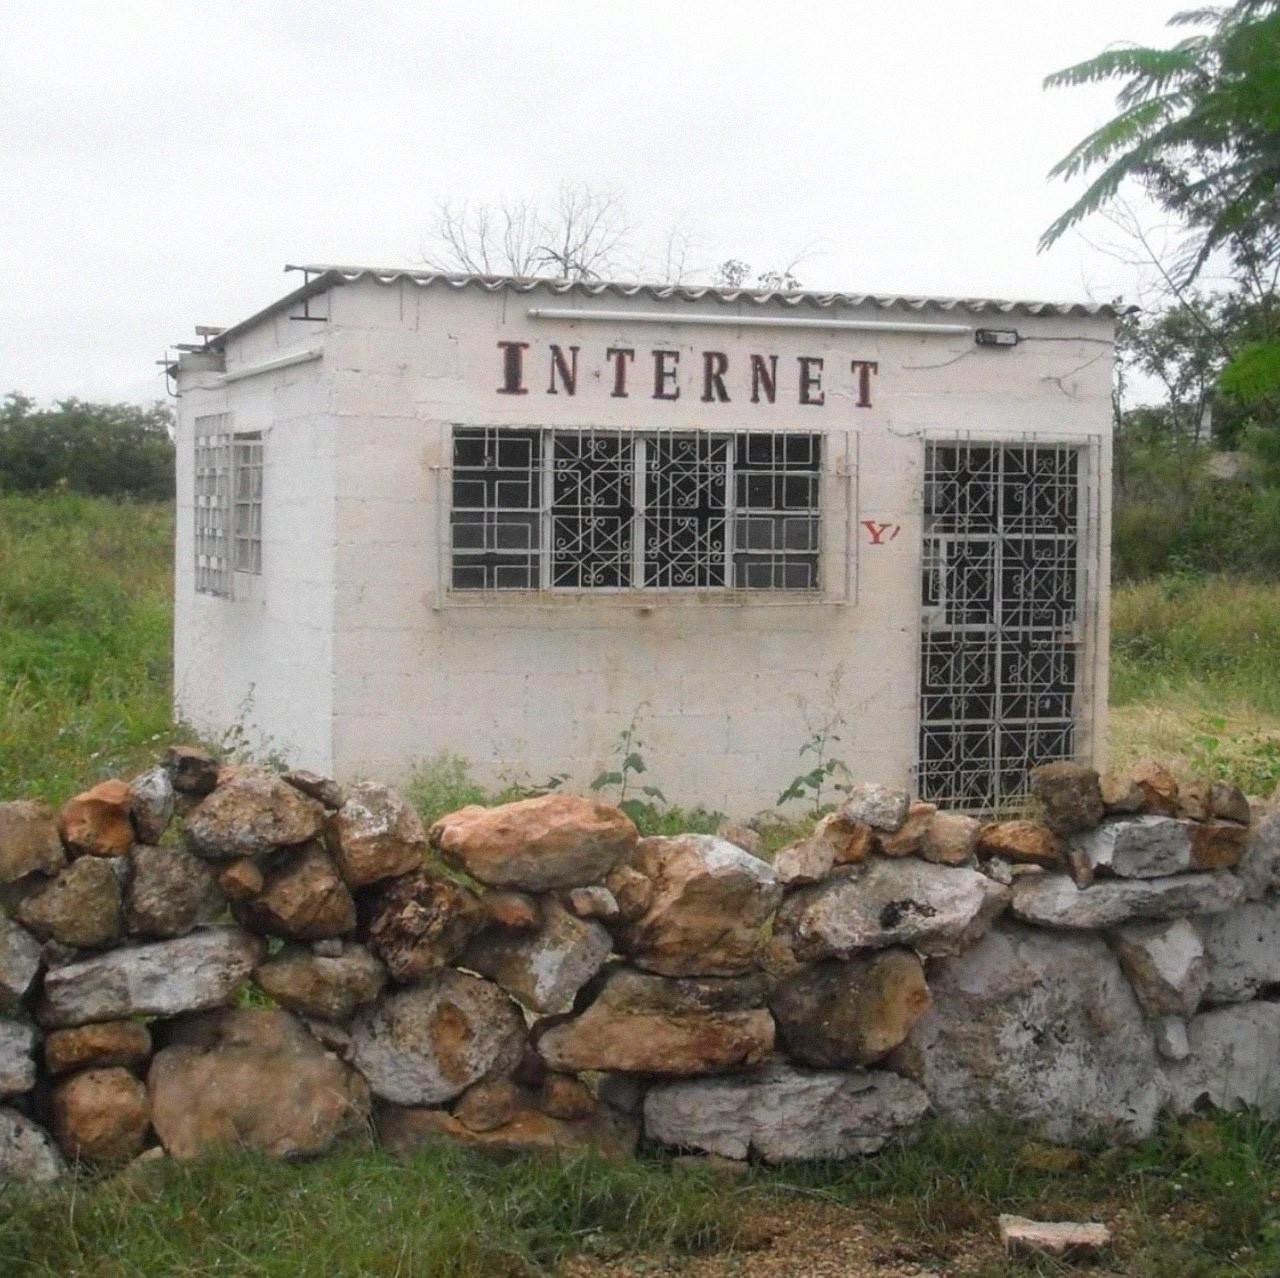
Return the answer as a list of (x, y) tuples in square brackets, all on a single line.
[(1198, 126), (85, 634), (105, 450), (1252, 378), (628, 751)]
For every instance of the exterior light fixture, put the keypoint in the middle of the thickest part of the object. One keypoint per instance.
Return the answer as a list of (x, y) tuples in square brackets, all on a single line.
[(996, 336)]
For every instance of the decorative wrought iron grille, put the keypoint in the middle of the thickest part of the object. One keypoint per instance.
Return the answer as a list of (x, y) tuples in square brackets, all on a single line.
[(1002, 597), (618, 510), (246, 470), (212, 504)]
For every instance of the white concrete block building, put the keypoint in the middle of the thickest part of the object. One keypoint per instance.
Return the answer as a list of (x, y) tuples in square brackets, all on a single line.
[(507, 518)]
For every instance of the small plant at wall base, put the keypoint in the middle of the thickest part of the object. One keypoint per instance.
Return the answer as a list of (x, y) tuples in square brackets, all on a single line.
[(631, 765)]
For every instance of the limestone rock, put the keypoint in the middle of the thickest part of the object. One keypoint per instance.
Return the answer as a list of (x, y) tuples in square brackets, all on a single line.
[(100, 1115), (1121, 795), (151, 804), (1243, 951), (420, 922), (1193, 801), (951, 839), (1144, 847), (252, 813), (1053, 900), (529, 1131), (330, 988), (125, 1043), (29, 842), (81, 907), (17, 1058), (323, 789), (162, 978), (515, 911), (744, 836), (595, 902), (19, 963), (1071, 796), (97, 822), (632, 891), (546, 968), (241, 879), (171, 891), (487, 1105), (641, 1023), (257, 1080), (835, 841), (1166, 965), (1228, 803), (935, 909), (1021, 843), (27, 1152), (837, 1014), (303, 898), (1040, 1029), (1171, 1038), (375, 835), (1158, 787), (564, 1096), (711, 901), (783, 1113), (552, 841), (193, 770), (1259, 867), (1023, 1237), (429, 1043), (1231, 1061), (879, 806), (910, 839)]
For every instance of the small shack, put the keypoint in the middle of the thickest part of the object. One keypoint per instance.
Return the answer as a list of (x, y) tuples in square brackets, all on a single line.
[(514, 519)]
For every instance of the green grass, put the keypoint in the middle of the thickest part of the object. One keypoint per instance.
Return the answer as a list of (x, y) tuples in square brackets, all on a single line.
[(85, 625)]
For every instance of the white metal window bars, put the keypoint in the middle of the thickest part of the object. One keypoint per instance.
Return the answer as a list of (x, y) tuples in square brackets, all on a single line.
[(212, 504), (246, 471), (1009, 530), (541, 509)]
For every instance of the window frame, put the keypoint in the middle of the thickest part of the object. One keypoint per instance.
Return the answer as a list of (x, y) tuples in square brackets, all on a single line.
[(224, 461)]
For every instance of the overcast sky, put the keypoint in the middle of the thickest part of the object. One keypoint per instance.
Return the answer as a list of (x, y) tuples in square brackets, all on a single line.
[(162, 161)]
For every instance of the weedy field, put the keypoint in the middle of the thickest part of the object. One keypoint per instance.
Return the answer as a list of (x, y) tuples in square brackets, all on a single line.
[(85, 606)]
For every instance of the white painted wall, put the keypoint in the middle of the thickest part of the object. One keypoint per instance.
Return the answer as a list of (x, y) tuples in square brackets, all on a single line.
[(362, 663)]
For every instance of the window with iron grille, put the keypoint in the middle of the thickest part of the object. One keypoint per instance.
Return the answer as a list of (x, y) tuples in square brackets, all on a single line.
[(617, 510), (246, 470), (212, 504)]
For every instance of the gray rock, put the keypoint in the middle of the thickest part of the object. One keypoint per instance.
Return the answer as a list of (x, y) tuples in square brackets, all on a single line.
[(27, 1152), (171, 891), (164, 978), (594, 902), (546, 968), (1070, 795), (1171, 1038), (1053, 900), (314, 786), (1166, 965), (19, 963), (879, 806), (250, 814), (330, 987), (1139, 847), (935, 909), (151, 795), (1232, 1061), (1039, 1028), (428, 1044), (29, 842), (1243, 951), (784, 1113), (81, 907), (17, 1058), (1259, 867)]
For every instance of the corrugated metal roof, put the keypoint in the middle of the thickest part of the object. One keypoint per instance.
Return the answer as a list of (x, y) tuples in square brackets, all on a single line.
[(321, 277)]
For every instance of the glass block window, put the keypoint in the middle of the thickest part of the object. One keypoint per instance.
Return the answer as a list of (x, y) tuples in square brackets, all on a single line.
[(617, 510), (246, 469), (212, 504)]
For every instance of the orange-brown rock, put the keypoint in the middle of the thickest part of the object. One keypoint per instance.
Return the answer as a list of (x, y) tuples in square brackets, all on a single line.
[(710, 905), (1228, 803), (538, 845), (97, 822), (564, 1096), (1121, 795), (950, 838), (303, 898), (253, 1079), (250, 814), (835, 840), (241, 879), (1217, 845), (909, 839), (514, 911), (420, 922), (29, 842), (856, 840), (487, 1105), (1158, 786), (100, 1115), (1193, 801), (81, 907), (403, 1130), (1021, 841), (375, 835), (632, 891), (835, 1015), (123, 1043), (330, 987)]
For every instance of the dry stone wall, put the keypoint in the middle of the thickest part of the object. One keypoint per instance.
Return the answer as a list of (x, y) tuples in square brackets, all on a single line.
[(209, 956)]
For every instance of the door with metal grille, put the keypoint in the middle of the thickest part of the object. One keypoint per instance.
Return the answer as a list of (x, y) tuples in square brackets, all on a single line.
[(1002, 603)]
